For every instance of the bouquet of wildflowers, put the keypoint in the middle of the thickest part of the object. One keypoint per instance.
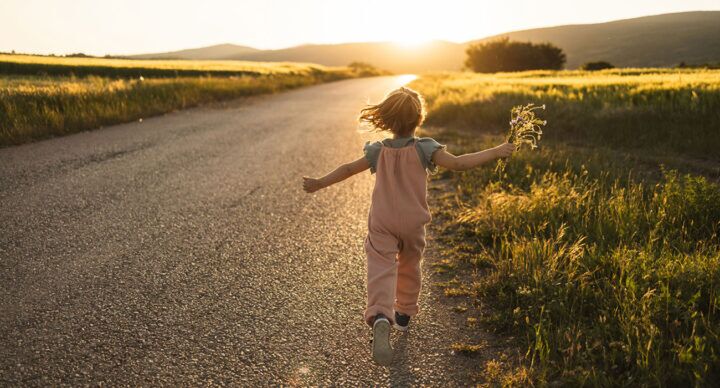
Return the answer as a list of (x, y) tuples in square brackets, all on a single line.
[(525, 128)]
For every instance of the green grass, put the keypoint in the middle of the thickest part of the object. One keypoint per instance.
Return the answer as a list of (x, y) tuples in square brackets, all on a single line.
[(76, 94), (606, 268)]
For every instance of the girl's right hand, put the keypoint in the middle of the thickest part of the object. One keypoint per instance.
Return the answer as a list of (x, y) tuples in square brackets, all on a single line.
[(504, 150), (311, 185)]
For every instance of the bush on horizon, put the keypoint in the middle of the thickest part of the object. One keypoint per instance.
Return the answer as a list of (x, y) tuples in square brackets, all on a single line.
[(599, 65), (505, 55)]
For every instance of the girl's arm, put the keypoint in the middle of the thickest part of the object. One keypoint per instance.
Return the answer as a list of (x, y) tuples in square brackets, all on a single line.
[(468, 161), (341, 173)]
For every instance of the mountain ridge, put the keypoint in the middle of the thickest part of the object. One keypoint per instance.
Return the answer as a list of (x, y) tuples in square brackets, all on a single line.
[(217, 51), (655, 40)]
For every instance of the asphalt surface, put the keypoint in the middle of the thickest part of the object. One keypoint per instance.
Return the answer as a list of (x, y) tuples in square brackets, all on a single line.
[(181, 250)]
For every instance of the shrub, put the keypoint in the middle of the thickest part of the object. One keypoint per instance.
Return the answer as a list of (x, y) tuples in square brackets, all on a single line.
[(599, 65), (504, 55)]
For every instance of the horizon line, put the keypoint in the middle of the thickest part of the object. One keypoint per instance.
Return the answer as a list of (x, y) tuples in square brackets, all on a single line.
[(364, 41)]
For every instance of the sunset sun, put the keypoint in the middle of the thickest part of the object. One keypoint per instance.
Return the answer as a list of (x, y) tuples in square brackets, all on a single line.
[(411, 42)]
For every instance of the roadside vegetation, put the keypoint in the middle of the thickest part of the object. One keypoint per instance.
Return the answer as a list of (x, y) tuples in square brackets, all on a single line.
[(602, 262), (52, 96)]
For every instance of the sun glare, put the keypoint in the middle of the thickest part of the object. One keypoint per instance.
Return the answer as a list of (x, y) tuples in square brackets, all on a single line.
[(411, 43), (405, 79)]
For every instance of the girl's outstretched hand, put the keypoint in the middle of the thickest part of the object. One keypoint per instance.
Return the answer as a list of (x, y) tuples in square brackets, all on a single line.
[(311, 185), (504, 150)]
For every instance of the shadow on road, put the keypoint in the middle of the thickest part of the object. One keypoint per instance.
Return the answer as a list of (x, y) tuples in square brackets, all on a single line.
[(401, 372)]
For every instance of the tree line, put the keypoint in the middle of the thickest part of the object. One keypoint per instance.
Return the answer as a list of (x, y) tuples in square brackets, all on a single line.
[(505, 55)]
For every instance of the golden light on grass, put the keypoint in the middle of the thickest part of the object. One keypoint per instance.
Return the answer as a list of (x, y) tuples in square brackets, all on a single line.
[(85, 93)]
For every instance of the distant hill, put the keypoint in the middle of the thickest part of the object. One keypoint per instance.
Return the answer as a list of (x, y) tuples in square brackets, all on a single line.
[(660, 40), (390, 56), (219, 51)]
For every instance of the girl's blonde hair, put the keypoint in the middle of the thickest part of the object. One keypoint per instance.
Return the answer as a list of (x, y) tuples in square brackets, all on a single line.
[(400, 112)]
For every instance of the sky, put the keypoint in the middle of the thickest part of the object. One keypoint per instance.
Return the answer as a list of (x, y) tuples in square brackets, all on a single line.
[(100, 27)]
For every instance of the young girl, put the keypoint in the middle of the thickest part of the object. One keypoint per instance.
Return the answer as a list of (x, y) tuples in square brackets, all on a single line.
[(399, 209)]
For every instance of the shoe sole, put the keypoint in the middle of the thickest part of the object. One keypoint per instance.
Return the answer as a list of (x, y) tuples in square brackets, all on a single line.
[(382, 352), (398, 327)]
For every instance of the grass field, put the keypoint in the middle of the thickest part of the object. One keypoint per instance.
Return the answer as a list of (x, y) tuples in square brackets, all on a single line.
[(604, 265), (666, 110), (66, 66), (51, 96)]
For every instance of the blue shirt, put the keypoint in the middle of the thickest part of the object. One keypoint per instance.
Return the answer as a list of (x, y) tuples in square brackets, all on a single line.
[(425, 147)]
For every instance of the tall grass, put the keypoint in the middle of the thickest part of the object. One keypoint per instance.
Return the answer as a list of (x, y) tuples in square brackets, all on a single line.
[(664, 109), (91, 92), (608, 271)]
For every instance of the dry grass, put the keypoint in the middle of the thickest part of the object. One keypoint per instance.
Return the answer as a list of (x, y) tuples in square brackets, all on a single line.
[(607, 270), (76, 94)]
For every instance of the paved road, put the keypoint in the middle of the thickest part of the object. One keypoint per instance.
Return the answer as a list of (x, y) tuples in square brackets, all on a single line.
[(181, 250)]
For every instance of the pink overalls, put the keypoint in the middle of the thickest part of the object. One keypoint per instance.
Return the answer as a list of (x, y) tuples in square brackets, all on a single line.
[(396, 233)]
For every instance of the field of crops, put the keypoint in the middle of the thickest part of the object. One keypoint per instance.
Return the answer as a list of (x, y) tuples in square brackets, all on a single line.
[(42, 65), (604, 266), (51, 96), (660, 109)]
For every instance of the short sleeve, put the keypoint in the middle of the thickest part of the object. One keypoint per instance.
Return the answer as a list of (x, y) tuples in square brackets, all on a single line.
[(428, 146), (372, 152)]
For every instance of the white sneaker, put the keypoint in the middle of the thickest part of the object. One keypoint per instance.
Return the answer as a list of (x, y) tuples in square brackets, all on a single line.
[(382, 352)]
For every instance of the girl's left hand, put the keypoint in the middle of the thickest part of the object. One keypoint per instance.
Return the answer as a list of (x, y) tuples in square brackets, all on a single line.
[(311, 185), (504, 150)]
